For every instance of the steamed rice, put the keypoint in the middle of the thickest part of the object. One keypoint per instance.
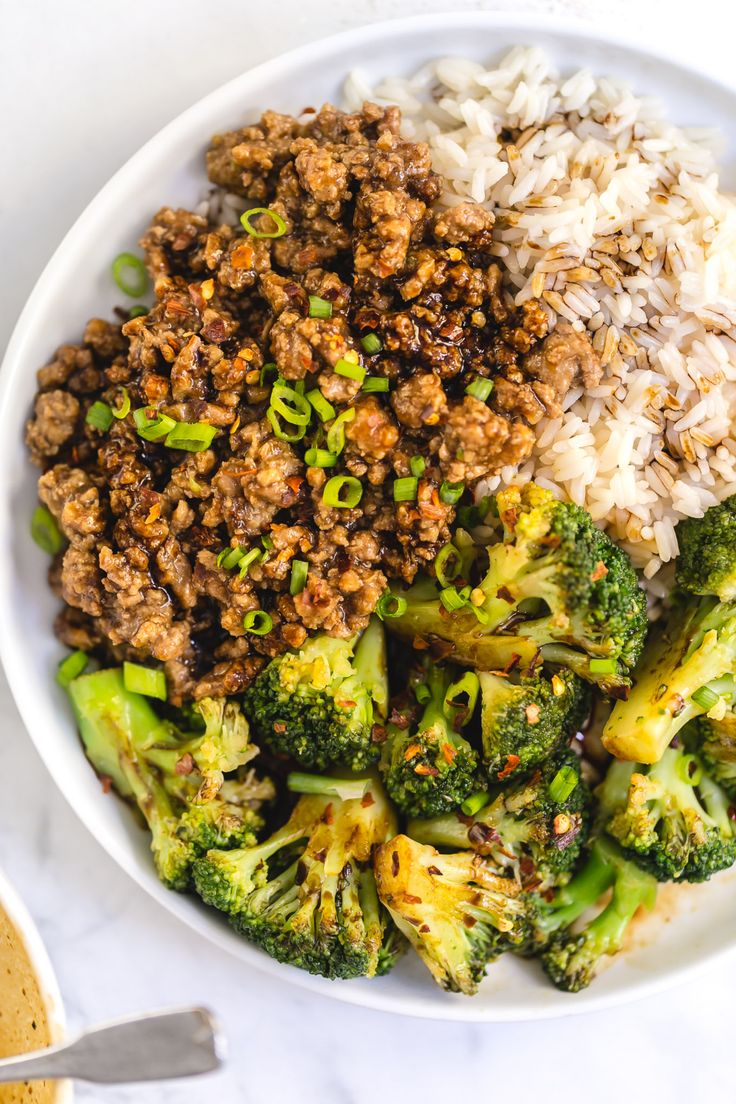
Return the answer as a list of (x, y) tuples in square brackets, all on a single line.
[(614, 218)]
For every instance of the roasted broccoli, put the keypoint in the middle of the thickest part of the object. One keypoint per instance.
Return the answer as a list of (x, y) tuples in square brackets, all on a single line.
[(175, 779), (671, 817), (555, 585), (713, 738), (573, 953), (707, 560), (534, 828), (524, 720), (307, 894), (455, 910), (319, 705), (428, 767)]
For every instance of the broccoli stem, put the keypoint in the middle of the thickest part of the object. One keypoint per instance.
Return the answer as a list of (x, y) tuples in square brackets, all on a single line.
[(632, 888), (582, 892), (369, 660), (434, 715), (345, 788)]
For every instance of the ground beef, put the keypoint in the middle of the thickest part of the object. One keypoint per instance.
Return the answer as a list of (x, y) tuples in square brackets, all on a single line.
[(371, 308)]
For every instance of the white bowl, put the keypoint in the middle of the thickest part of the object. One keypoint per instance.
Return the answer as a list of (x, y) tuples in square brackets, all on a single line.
[(76, 285), (29, 942)]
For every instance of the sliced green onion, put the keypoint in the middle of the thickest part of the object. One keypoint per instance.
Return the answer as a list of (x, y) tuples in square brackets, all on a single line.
[(475, 803), (138, 311), (149, 681), (422, 693), (468, 517), (267, 542), (258, 622), (266, 371), (705, 698), (447, 565), (46, 532), (344, 491), (293, 407), (602, 666), (563, 783), (71, 667), (467, 685), (152, 428), (371, 344), (450, 493), (405, 490), (417, 465), (374, 384), (250, 557), (319, 308), (390, 605), (689, 769), (299, 572), (129, 273), (325, 410), (273, 215), (349, 370), (336, 432), (451, 599), (319, 458), (280, 432), (191, 436), (123, 408), (347, 789), (480, 388), (100, 416), (230, 557)]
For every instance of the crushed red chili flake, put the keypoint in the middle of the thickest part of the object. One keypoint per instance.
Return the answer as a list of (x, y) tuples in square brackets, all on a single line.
[(512, 762), (505, 595), (378, 734), (424, 929), (425, 770), (395, 866), (411, 899), (185, 765), (106, 783), (434, 870), (367, 800), (469, 921), (449, 753), (533, 713), (600, 572), (328, 815), (411, 752), (278, 726)]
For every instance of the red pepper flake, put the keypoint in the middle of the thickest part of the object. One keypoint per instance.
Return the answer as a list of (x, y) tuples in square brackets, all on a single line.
[(509, 519), (378, 734), (533, 713), (106, 782), (411, 899), (434, 870), (511, 663), (600, 572), (449, 753), (327, 815), (512, 762), (424, 929), (411, 752), (426, 771), (279, 726), (367, 800), (469, 921), (395, 863), (295, 483), (505, 595), (185, 765), (420, 644)]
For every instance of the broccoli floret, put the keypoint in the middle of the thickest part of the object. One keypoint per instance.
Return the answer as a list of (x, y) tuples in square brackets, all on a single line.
[(524, 720), (307, 894), (713, 738), (671, 817), (319, 705), (455, 910), (534, 828), (573, 954), (428, 767), (707, 560), (556, 586), (173, 778)]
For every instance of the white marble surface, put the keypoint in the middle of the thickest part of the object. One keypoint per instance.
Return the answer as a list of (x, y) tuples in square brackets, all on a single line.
[(82, 84)]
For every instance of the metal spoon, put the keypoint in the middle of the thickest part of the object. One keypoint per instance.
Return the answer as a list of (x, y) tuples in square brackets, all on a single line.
[(142, 1048)]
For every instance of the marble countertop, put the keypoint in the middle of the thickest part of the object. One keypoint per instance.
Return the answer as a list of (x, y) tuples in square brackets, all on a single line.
[(84, 83)]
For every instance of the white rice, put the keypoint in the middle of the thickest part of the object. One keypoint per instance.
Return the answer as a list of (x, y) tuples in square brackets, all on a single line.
[(614, 218)]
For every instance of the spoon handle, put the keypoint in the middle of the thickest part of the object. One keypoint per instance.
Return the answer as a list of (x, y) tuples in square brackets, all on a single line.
[(142, 1048)]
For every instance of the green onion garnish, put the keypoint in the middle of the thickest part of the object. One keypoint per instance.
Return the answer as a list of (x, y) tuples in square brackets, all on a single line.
[(344, 491), (475, 803), (151, 425), (324, 410), (191, 436), (100, 416), (138, 311), (374, 384), (422, 693), (417, 465), (129, 273), (149, 681), (273, 215), (230, 557), (71, 667), (46, 532), (602, 666), (258, 622), (299, 572), (290, 405), (563, 783), (689, 769), (319, 308), (266, 371), (250, 557), (371, 344), (705, 698), (350, 370), (405, 490), (122, 410), (450, 493), (480, 388), (468, 517), (390, 605), (280, 432), (451, 599), (319, 458), (336, 432), (447, 565), (462, 698), (347, 789), (267, 542)]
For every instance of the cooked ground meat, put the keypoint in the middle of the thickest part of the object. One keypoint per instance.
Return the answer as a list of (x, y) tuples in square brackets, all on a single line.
[(366, 281)]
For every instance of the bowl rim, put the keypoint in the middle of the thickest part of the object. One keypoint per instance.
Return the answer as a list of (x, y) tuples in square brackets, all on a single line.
[(192, 118)]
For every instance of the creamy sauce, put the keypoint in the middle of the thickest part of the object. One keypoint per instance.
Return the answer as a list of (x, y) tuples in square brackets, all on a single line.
[(24, 1023)]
